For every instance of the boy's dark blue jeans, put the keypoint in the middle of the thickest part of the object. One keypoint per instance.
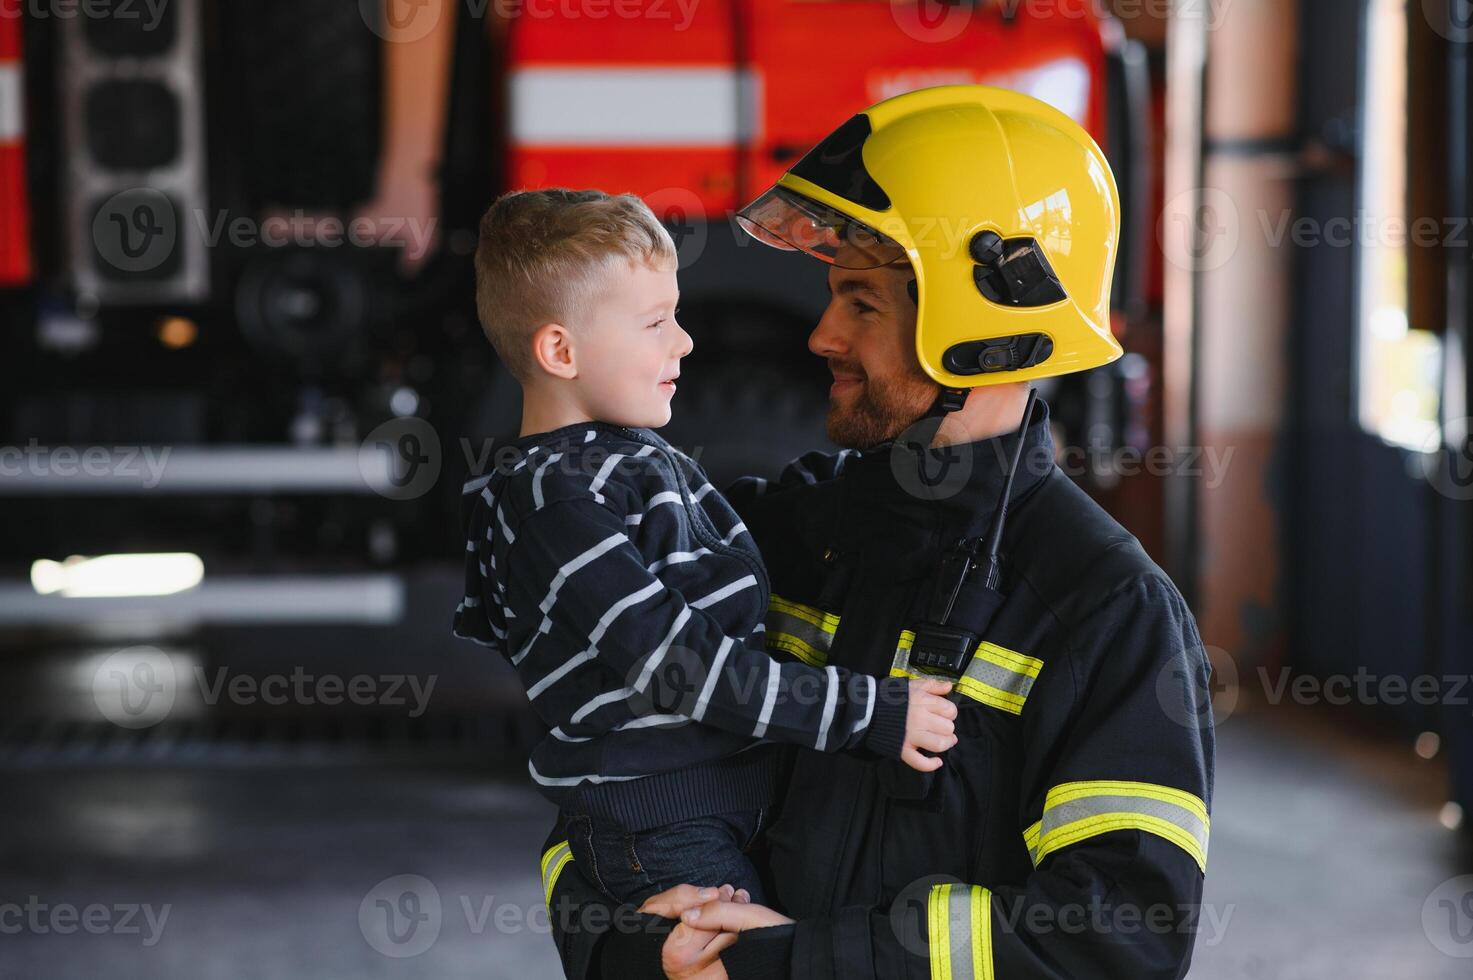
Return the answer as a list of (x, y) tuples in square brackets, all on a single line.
[(630, 866)]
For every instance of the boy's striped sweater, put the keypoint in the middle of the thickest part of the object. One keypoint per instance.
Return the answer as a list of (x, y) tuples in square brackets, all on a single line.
[(626, 592)]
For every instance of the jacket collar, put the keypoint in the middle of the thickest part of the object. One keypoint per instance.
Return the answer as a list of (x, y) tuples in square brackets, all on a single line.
[(952, 489)]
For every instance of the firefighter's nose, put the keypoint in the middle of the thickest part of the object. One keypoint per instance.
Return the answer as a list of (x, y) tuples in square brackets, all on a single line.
[(828, 336)]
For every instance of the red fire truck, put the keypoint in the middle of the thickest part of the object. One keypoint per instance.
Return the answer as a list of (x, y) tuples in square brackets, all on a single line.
[(140, 317)]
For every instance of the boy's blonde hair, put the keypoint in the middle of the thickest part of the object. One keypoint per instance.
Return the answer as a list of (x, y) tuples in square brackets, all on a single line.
[(544, 256)]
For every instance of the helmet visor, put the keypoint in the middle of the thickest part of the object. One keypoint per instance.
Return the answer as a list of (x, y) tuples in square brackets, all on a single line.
[(790, 221)]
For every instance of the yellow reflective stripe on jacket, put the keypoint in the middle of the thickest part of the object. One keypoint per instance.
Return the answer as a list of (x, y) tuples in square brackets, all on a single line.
[(1030, 841), (996, 676), (959, 927), (1073, 812), (805, 632), (552, 866)]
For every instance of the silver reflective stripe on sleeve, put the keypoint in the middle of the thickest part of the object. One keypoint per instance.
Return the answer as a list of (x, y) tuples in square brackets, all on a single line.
[(803, 631), (959, 924), (995, 676), (1077, 811)]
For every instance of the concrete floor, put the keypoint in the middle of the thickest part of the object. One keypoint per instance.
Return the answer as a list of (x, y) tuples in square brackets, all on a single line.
[(1324, 853)]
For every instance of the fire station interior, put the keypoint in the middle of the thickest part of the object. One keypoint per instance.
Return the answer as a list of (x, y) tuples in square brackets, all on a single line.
[(245, 383)]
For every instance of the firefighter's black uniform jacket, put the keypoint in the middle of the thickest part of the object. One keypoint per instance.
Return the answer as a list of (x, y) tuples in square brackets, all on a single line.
[(1066, 834)]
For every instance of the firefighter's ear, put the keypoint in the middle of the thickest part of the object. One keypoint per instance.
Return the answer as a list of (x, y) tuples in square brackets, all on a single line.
[(552, 351)]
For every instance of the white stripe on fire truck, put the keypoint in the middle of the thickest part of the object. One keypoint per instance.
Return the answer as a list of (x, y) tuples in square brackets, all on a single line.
[(632, 106), (12, 110)]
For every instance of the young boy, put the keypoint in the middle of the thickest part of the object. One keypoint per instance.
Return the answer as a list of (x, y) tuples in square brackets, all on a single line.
[(621, 586)]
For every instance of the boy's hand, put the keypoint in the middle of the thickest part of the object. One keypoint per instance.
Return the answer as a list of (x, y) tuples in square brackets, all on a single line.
[(928, 724), (673, 901), (692, 952)]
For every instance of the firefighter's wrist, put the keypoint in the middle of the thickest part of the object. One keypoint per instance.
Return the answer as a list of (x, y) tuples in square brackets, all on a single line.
[(886, 733), (760, 954), (635, 953)]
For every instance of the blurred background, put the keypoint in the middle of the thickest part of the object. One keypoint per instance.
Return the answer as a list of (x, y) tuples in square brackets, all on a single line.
[(244, 382)]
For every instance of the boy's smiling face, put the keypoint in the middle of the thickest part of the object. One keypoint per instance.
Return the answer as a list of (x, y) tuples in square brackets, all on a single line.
[(627, 352)]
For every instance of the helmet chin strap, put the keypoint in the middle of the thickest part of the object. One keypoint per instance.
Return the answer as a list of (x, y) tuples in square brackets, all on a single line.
[(948, 400), (923, 431)]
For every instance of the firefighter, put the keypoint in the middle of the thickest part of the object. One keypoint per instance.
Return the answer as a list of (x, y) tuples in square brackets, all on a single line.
[(971, 235)]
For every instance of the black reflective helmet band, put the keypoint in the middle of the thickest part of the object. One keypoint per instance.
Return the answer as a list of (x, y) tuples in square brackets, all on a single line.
[(998, 354), (837, 165)]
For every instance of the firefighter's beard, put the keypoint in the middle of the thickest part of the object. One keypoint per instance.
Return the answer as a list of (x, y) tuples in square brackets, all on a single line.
[(879, 410)]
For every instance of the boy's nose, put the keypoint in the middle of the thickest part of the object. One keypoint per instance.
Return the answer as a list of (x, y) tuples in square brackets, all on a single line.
[(686, 343)]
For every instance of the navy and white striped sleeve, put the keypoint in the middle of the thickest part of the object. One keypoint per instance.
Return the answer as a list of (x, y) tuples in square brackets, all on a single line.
[(576, 567), (806, 470)]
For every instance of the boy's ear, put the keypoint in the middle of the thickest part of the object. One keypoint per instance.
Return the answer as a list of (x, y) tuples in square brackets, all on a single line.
[(552, 351)]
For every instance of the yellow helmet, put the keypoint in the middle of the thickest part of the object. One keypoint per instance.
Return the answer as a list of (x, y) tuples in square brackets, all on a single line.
[(1005, 208)]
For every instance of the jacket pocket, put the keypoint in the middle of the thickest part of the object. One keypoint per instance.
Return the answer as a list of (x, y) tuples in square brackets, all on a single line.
[(935, 821)]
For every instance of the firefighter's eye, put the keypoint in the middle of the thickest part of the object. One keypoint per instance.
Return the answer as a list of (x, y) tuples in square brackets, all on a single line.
[(861, 307)]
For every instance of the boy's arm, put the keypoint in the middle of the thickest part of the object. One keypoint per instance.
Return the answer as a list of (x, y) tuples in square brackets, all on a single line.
[(808, 469), (576, 567)]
